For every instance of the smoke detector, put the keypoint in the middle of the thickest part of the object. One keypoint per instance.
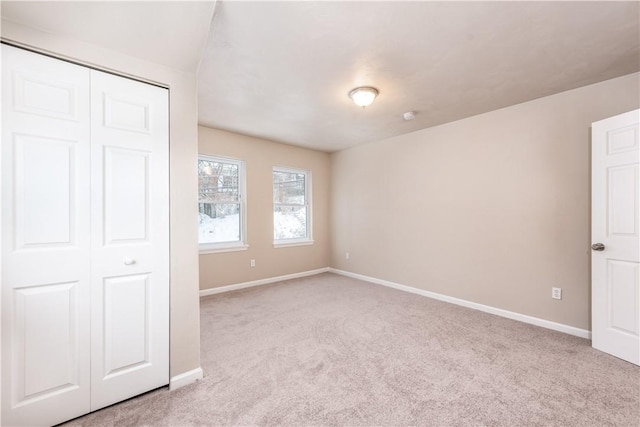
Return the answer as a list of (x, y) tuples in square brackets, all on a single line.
[(409, 115)]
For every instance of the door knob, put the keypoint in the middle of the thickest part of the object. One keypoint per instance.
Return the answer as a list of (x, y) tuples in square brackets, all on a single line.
[(598, 247), (129, 261)]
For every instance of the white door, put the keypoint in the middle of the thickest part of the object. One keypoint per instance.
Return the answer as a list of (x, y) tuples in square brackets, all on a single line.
[(615, 232), (85, 239), (45, 239), (130, 238)]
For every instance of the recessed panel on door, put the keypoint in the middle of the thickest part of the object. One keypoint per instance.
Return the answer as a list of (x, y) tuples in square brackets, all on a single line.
[(623, 295), (126, 197), (45, 342), (126, 113), (622, 140), (44, 94), (45, 191), (623, 210), (126, 323)]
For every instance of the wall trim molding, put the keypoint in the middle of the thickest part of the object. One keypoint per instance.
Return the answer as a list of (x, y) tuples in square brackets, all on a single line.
[(251, 284), (560, 327), (185, 378)]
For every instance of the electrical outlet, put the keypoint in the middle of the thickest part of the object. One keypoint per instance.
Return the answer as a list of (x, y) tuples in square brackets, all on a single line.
[(346, 255), (556, 293), (253, 263)]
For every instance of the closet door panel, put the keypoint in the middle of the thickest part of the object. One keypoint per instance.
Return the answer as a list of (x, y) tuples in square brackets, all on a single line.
[(126, 198), (45, 239), (126, 325), (43, 212), (130, 223), (46, 350)]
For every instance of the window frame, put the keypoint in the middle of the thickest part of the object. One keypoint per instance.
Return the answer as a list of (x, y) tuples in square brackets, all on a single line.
[(241, 244), (308, 239)]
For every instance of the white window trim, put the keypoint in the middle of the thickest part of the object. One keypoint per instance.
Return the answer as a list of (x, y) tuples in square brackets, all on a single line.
[(286, 243), (235, 247), (241, 245), (308, 240)]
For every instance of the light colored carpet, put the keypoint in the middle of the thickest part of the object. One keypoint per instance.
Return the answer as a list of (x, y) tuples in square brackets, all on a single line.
[(330, 350)]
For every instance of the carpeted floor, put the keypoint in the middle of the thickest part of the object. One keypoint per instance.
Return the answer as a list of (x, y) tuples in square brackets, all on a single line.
[(330, 350)]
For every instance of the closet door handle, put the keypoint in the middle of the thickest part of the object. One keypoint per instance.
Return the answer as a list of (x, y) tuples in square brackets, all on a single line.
[(129, 261)]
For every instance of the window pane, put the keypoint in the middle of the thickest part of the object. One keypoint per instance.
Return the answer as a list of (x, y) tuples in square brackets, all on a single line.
[(219, 222), (217, 181), (288, 188), (289, 222)]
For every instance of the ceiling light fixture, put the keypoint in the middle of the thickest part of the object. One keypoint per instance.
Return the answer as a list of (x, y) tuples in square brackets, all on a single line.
[(363, 96)]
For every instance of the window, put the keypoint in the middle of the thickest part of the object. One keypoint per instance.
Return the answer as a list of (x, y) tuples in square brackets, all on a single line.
[(291, 207), (221, 204)]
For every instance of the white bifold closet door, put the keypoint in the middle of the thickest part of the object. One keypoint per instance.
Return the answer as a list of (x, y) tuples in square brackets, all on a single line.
[(130, 238), (85, 234), (46, 242)]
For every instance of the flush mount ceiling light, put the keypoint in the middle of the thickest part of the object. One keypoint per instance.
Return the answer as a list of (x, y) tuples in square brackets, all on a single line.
[(363, 96)]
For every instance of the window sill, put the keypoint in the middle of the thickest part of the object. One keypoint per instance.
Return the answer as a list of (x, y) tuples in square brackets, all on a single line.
[(287, 244), (230, 248)]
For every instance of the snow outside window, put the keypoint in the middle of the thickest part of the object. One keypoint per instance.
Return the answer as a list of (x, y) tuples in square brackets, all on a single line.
[(291, 206), (220, 203)]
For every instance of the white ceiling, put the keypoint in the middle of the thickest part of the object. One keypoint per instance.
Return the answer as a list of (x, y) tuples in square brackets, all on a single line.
[(171, 33), (282, 70)]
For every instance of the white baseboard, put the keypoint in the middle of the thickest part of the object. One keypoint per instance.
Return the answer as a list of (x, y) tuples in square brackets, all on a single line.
[(582, 333), (185, 378), (229, 288)]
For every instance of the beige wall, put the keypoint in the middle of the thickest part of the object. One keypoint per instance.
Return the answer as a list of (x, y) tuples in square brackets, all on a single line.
[(185, 309), (219, 269), (492, 209)]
